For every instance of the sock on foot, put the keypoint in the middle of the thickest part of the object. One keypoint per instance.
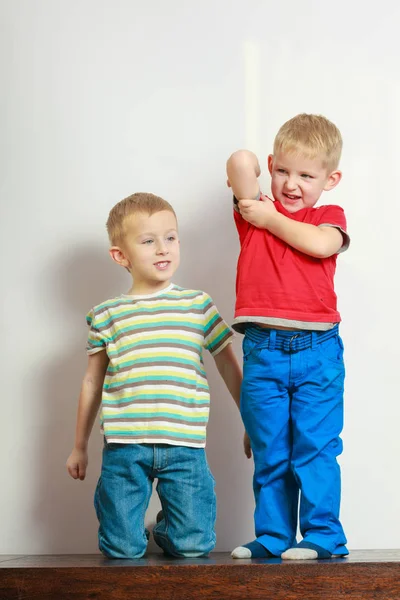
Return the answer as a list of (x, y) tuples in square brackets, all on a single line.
[(306, 551), (251, 550)]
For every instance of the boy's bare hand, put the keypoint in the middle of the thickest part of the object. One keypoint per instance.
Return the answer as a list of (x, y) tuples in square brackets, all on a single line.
[(77, 463), (247, 445), (257, 212)]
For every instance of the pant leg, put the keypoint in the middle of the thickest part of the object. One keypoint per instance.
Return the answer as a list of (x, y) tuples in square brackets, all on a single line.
[(265, 409), (121, 499), (317, 417), (186, 490)]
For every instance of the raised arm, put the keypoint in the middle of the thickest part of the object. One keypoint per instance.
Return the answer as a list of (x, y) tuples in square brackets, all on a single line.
[(243, 170), (88, 406)]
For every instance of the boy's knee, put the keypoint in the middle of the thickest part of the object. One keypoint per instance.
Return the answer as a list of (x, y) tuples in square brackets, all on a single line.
[(184, 551), (122, 553), (121, 548), (195, 549), (185, 547)]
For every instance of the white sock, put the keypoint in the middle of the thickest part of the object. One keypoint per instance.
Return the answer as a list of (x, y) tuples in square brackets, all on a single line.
[(299, 554), (241, 552)]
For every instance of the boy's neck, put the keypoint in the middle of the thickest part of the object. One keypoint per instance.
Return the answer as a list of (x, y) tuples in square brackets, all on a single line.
[(146, 289)]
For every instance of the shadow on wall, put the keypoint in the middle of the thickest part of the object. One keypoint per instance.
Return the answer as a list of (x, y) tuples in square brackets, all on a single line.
[(63, 508)]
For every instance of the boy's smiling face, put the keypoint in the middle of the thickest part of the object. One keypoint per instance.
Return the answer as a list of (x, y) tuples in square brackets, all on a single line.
[(298, 181), (150, 250)]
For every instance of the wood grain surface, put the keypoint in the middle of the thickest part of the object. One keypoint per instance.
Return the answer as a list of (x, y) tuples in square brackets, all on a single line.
[(365, 575)]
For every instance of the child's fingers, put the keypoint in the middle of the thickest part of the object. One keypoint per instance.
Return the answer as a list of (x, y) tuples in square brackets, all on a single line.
[(82, 471), (77, 470), (247, 445), (245, 203), (73, 470)]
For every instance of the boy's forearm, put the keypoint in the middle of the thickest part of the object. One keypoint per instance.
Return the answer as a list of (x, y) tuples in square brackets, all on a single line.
[(88, 406), (230, 371), (243, 170), (90, 397), (319, 242)]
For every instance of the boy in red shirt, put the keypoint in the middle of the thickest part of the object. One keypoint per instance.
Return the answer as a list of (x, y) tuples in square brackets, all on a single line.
[(293, 379)]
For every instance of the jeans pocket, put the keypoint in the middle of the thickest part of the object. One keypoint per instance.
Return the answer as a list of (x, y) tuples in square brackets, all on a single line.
[(332, 350), (248, 346), (209, 473)]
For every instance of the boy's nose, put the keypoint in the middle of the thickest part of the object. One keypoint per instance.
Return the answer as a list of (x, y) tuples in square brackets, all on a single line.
[(162, 249), (291, 183)]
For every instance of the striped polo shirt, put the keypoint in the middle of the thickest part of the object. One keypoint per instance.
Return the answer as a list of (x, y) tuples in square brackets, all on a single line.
[(155, 389)]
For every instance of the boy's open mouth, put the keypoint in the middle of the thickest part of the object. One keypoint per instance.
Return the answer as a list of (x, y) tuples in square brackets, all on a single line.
[(162, 265), (292, 197)]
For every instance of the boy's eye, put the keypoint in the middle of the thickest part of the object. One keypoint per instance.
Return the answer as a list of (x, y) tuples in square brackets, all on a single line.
[(147, 242), (281, 170), (306, 176), (171, 238)]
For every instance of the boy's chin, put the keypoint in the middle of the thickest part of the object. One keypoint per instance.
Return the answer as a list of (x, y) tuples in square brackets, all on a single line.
[(164, 277), (290, 207)]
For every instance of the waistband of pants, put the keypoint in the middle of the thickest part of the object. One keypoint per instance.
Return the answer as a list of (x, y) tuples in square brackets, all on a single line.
[(288, 341)]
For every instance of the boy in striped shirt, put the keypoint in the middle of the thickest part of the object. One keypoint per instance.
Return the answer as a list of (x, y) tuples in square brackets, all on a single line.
[(145, 370)]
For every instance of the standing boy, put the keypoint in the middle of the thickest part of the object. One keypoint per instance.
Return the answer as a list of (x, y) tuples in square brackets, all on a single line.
[(293, 374)]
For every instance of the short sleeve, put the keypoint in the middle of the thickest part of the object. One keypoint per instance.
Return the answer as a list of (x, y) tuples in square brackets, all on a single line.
[(217, 334), (242, 225), (333, 216), (96, 339)]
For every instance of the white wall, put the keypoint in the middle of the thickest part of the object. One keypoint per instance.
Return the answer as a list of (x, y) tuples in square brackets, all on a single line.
[(104, 98)]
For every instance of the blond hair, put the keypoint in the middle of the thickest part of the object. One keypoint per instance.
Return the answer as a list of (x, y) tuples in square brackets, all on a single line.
[(141, 202), (313, 136)]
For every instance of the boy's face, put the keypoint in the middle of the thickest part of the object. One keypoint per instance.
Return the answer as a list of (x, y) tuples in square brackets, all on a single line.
[(150, 250), (298, 182)]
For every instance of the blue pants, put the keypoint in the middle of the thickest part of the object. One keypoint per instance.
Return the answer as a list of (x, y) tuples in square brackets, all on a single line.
[(186, 490), (292, 409)]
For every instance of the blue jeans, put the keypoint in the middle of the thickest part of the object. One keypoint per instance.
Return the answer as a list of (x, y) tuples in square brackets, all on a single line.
[(185, 487), (292, 409)]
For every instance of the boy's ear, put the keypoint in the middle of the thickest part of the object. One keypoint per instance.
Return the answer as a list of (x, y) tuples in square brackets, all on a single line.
[(118, 256), (270, 163), (333, 180)]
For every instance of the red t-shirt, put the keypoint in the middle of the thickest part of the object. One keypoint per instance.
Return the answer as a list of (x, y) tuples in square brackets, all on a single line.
[(275, 280)]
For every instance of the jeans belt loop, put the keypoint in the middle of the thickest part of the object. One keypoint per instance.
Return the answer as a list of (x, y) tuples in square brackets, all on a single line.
[(272, 340), (313, 340)]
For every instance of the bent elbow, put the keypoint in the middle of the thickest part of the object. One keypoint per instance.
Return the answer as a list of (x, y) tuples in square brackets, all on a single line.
[(323, 251), (240, 160)]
